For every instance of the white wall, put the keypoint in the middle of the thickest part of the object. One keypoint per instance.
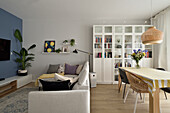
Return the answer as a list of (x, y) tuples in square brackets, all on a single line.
[(38, 30)]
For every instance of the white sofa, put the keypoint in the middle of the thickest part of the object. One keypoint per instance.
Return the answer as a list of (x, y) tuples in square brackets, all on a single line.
[(71, 101)]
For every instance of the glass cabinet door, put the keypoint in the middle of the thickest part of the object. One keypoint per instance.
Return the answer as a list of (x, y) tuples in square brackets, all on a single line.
[(149, 49), (128, 29), (128, 46), (118, 29), (137, 42), (98, 46), (108, 29), (98, 29), (138, 29), (118, 63), (108, 46), (118, 46)]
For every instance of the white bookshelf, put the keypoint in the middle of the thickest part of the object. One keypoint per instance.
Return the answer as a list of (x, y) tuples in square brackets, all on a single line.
[(112, 45)]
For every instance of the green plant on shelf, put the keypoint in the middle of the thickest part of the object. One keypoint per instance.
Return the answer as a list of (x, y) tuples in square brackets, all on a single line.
[(72, 42), (58, 50), (65, 41)]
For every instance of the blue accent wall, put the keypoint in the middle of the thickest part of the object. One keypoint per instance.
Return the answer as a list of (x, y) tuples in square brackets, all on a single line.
[(8, 24)]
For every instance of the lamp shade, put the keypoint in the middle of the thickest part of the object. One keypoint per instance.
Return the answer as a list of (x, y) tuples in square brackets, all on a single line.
[(152, 36), (75, 51)]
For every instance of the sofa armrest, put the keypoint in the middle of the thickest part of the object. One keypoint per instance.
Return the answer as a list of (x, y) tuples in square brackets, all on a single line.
[(74, 101)]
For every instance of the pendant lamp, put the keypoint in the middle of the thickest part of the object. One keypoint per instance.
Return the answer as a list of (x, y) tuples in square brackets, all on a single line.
[(152, 35)]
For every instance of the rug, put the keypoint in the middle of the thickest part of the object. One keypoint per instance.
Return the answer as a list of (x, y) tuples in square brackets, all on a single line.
[(16, 102)]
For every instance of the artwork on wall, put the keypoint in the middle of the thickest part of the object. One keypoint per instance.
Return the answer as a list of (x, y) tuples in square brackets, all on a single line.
[(49, 46)]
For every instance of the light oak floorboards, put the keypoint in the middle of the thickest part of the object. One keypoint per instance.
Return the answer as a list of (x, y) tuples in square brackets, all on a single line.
[(106, 99)]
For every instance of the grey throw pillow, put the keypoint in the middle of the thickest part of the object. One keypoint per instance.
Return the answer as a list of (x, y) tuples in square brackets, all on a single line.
[(53, 68)]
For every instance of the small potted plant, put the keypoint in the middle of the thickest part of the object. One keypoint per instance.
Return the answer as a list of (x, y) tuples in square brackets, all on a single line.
[(24, 57), (65, 42), (58, 50), (118, 46), (72, 42)]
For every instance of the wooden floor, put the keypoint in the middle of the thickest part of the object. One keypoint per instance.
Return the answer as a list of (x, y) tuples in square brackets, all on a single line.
[(106, 99)]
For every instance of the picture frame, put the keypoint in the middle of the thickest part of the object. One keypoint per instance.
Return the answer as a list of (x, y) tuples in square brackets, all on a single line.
[(65, 49), (49, 46)]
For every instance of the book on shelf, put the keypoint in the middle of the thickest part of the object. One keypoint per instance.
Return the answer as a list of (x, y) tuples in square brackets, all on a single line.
[(108, 46), (97, 46), (108, 55), (99, 55), (98, 39), (108, 40), (119, 64), (148, 54)]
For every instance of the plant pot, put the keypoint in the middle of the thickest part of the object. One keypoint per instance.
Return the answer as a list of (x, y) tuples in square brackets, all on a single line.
[(22, 72), (119, 46)]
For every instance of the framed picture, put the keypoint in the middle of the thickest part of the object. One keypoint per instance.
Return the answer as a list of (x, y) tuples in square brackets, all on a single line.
[(49, 46), (65, 49)]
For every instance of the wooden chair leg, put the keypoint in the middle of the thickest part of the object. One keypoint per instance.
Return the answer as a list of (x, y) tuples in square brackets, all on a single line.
[(140, 96), (120, 87), (124, 91), (165, 95)]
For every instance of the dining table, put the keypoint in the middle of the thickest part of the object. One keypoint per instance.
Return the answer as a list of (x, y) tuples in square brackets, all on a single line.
[(155, 80)]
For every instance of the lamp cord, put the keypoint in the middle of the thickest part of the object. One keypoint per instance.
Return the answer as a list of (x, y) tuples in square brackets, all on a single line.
[(151, 12)]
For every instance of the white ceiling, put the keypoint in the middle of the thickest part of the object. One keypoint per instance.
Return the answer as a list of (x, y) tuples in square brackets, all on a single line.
[(84, 9)]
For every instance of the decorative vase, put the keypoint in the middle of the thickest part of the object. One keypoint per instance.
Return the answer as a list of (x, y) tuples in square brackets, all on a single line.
[(137, 65)]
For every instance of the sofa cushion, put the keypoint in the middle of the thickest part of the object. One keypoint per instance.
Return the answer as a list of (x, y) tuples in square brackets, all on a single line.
[(53, 68), (79, 68), (86, 66), (82, 77), (69, 69), (55, 85), (63, 78)]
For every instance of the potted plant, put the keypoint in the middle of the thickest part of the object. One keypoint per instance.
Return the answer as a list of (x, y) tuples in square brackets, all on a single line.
[(118, 41), (65, 42), (58, 50), (24, 57), (72, 42)]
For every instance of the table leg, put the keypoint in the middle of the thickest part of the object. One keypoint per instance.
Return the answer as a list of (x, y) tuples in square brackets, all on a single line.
[(154, 106)]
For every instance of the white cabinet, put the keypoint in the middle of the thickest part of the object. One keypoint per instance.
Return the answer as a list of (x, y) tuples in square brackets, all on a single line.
[(108, 71), (112, 46), (97, 67)]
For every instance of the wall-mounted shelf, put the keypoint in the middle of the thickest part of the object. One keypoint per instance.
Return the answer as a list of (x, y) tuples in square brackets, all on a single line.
[(54, 53)]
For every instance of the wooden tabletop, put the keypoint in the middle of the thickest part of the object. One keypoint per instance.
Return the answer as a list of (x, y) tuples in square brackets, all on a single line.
[(149, 73)]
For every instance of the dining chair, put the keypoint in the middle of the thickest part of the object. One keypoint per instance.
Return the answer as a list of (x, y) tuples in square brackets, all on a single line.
[(138, 85), (124, 79), (164, 89)]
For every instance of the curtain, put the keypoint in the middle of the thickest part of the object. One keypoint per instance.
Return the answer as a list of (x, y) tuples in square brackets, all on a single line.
[(161, 52)]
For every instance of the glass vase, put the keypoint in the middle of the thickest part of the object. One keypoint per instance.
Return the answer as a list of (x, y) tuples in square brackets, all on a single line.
[(137, 65)]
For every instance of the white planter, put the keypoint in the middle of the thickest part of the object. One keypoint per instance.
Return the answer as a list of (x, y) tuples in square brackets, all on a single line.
[(22, 72)]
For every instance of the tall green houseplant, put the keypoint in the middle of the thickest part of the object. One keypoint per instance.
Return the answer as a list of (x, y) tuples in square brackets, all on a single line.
[(24, 57)]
